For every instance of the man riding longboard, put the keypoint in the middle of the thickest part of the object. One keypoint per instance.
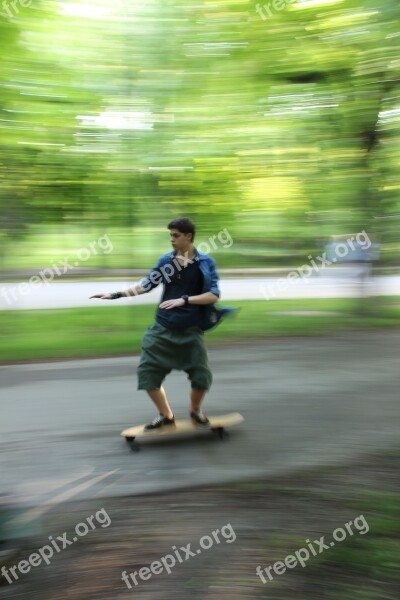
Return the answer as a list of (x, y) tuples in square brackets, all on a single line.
[(175, 340)]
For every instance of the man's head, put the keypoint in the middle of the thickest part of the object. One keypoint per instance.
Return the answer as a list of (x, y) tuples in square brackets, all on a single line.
[(182, 232)]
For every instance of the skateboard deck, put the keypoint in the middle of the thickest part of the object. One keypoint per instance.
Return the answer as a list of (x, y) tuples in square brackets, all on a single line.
[(217, 425)]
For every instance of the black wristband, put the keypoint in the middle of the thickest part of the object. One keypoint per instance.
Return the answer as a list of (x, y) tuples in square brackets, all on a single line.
[(185, 297), (116, 295)]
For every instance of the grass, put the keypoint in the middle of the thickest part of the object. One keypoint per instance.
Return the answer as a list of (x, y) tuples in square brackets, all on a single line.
[(115, 330), (374, 557)]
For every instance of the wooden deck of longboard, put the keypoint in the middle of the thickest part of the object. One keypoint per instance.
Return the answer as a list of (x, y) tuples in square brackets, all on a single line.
[(182, 426)]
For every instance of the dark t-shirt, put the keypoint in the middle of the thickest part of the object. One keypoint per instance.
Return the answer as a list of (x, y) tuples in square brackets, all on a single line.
[(189, 280)]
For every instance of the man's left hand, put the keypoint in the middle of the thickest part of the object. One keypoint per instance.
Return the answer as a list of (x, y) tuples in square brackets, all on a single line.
[(172, 303)]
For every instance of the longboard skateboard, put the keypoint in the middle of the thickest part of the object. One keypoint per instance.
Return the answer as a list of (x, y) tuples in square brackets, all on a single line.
[(217, 425)]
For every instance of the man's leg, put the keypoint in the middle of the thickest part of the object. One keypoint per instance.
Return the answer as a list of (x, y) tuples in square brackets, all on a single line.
[(196, 398), (199, 373), (154, 365), (159, 398), (196, 413)]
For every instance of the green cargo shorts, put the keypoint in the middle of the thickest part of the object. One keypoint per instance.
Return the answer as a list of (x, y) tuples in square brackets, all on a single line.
[(166, 349)]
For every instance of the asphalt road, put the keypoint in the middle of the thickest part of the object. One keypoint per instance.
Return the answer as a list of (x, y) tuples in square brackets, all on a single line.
[(305, 402)]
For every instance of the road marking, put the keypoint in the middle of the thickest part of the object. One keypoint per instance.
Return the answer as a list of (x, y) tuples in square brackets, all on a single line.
[(33, 513)]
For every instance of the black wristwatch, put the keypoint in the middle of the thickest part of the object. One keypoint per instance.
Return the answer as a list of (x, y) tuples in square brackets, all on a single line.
[(186, 299), (116, 295)]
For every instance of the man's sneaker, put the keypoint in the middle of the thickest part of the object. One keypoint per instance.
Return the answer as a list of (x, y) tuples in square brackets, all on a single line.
[(159, 421), (199, 417)]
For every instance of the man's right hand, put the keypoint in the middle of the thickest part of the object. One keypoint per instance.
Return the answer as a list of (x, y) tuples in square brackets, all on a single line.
[(102, 296)]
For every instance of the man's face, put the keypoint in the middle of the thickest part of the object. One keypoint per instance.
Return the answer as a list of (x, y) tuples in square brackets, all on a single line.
[(180, 241)]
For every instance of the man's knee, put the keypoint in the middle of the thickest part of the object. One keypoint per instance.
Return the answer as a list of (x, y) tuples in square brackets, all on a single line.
[(200, 379), (149, 380)]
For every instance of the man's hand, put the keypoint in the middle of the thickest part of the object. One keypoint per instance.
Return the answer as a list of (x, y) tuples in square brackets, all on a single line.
[(102, 296), (172, 303)]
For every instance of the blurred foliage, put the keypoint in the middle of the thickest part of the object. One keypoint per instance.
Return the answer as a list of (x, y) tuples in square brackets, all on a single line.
[(126, 114)]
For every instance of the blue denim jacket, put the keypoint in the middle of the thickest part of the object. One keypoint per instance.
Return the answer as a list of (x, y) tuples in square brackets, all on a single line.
[(166, 266)]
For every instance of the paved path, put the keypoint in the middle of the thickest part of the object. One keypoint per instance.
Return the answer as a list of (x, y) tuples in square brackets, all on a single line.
[(340, 284), (305, 401)]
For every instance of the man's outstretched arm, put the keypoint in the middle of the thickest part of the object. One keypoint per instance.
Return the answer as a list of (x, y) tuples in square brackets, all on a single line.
[(152, 280), (135, 290)]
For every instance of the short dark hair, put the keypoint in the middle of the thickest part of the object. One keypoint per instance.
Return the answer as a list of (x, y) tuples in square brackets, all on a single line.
[(183, 225)]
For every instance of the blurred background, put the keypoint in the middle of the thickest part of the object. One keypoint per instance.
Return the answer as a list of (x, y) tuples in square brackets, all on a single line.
[(275, 127), (117, 117)]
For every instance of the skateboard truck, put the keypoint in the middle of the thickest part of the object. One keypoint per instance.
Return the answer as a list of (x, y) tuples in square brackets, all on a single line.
[(221, 433)]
